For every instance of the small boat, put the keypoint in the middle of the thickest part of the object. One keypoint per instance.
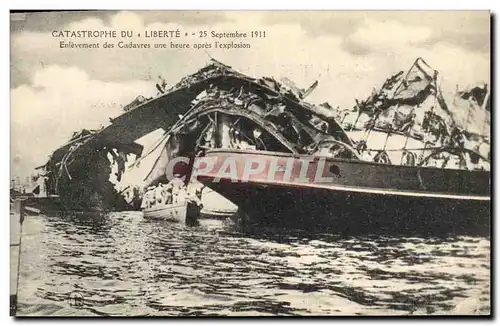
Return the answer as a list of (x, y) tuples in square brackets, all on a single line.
[(359, 195), (186, 212), (409, 122), (179, 208), (168, 212)]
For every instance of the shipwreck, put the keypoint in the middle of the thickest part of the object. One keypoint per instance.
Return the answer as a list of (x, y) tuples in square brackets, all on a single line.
[(220, 114)]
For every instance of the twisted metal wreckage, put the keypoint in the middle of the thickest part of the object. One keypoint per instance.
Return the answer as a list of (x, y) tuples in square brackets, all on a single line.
[(218, 107)]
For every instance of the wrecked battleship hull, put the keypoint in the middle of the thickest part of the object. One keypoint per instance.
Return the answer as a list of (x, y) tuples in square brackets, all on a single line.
[(350, 196), (218, 108), (239, 112), (351, 213)]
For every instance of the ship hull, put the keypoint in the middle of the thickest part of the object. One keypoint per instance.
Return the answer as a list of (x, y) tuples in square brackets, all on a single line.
[(361, 197)]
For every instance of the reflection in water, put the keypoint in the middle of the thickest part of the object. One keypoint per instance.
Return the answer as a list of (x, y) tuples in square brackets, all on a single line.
[(122, 264)]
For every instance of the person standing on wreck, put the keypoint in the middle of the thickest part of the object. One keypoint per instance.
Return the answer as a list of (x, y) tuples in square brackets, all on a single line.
[(194, 195)]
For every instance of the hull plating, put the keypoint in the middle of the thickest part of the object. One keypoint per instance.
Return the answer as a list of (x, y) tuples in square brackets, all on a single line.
[(361, 196)]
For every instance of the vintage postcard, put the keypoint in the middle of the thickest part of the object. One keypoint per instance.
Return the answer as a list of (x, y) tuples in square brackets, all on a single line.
[(250, 163)]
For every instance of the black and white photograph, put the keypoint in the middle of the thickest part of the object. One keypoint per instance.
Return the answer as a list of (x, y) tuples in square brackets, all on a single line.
[(168, 163)]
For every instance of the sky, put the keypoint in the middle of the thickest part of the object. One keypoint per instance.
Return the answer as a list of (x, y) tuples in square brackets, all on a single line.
[(56, 91)]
